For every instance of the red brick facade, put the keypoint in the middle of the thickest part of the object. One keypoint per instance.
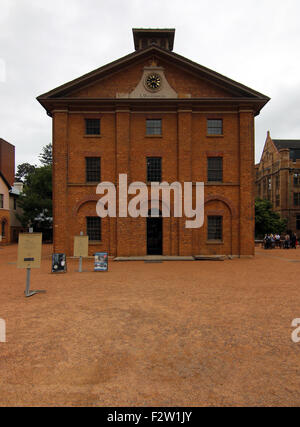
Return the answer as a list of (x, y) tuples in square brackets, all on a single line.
[(184, 147), (4, 211), (7, 161), (7, 177)]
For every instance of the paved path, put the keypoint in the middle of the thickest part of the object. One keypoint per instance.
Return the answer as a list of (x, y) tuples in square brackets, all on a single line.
[(181, 334)]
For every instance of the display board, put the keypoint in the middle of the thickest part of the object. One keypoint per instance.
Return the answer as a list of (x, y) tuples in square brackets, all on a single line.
[(59, 263), (81, 246), (29, 250), (101, 261)]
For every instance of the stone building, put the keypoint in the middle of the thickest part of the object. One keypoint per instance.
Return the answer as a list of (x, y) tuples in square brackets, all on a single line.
[(278, 178), (155, 116)]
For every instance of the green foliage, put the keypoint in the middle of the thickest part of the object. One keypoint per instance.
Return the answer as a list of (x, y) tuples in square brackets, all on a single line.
[(45, 156), (23, 171), (36, 200), (267, 220)]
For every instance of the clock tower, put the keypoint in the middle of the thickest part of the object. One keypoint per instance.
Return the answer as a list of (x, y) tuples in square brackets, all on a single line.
[(144, 38)]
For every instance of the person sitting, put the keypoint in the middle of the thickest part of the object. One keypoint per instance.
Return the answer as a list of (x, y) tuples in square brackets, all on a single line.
[(277, 240)]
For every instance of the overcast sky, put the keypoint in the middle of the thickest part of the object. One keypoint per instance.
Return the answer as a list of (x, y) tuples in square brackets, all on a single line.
[(44, 44)]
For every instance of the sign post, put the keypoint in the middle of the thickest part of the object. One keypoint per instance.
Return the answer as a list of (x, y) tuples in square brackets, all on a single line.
[(29, 256), (27, 290), (81, 249)]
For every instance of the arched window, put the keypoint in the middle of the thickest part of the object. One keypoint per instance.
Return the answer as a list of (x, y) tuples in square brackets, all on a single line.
[(3, 228)]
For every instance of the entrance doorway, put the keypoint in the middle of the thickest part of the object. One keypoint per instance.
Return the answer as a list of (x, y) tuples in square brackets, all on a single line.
[(154, 233)]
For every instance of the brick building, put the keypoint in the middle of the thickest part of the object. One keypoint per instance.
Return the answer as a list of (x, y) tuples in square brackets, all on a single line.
[(7, 176), (4, 211), (278, 178), (156, 116), (7, 161)]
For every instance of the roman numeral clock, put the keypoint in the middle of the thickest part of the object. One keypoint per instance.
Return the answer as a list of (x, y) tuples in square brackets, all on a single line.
[(153, 84), (153, 81)]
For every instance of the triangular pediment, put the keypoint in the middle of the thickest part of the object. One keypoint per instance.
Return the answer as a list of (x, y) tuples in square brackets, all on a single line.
[(209, 82)]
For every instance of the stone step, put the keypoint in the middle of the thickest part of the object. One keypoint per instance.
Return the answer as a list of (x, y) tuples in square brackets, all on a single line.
[(210, 257), (155, 258)]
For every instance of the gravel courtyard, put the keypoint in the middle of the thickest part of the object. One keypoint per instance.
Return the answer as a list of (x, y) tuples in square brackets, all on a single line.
[(165, 334)]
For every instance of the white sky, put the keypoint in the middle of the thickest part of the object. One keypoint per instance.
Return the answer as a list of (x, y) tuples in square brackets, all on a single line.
[(47, 43)]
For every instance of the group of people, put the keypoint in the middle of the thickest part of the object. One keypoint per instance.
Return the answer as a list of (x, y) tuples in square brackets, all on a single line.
[(287, 241)]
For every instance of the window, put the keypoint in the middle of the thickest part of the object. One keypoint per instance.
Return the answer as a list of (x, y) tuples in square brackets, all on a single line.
[(3, 228), (215, 169), (93, 228), (294, 154), (153, 127), (15, 203), (154, 169), (214, 127), (296, 178), (269, 184), (277, 181), (93, 170), (92, 126), (277, 200), (296, 199), (214, 228), (1, 201), (298, 222)]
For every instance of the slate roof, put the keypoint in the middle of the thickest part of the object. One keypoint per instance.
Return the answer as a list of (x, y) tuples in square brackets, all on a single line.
[(292, 144)]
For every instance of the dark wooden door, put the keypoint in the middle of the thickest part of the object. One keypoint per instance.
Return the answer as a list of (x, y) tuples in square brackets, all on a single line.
[(154, 236)]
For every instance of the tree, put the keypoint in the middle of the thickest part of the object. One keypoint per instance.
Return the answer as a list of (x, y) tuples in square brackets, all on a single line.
[(23, 171), (45, 156), (266, 220), (36, 198), (36, 201)]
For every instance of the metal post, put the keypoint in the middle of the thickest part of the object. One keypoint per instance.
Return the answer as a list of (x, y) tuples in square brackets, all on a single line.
[(80, 264), (27, 292)]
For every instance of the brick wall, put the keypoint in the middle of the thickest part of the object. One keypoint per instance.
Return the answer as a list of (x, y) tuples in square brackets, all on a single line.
[(7, 161), (184, 147)]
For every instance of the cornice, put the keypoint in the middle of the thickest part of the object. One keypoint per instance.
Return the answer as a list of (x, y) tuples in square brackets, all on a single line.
[(113, 104)]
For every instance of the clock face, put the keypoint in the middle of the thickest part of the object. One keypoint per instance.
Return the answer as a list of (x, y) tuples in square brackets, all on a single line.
[(153, 81)]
